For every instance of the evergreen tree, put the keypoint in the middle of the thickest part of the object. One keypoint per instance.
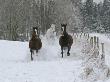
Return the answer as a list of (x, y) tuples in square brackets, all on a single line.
[(106, 15)]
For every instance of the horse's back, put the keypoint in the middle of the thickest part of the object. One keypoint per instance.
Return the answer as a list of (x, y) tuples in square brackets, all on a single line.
[(70, 40)]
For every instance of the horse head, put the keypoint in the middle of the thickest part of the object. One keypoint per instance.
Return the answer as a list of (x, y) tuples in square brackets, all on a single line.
[(36, 30), (63, 28)]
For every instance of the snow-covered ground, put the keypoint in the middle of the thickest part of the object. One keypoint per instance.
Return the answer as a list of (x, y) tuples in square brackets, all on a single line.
[(48, 66)]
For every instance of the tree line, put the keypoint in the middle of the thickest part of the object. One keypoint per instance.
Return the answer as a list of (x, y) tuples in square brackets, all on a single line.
[(96, 17), (17, 17)]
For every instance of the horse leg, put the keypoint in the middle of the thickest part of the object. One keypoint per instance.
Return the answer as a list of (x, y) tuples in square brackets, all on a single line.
[(36, 52), (68, 53), (62, 51), (31, 54)]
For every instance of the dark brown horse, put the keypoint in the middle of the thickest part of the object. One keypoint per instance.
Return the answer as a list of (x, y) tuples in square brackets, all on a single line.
[(65, 40), (35, 42)]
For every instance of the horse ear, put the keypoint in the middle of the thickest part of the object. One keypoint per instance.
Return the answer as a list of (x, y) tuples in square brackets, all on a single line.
[(61, 24), (36, 28), (33, 28)]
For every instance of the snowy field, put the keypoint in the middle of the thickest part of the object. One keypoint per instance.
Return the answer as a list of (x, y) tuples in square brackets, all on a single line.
[(48, 66)]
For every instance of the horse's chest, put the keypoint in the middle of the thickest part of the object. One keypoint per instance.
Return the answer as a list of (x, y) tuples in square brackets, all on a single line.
[(64, 41), (34, 42)]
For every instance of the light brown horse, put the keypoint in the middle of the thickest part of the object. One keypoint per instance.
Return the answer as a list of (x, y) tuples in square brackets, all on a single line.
[(35, 42), (65, 40)]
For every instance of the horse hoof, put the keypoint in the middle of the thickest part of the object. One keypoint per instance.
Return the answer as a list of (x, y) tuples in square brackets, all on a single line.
[(36, 51), (31, 59), (68, 54)]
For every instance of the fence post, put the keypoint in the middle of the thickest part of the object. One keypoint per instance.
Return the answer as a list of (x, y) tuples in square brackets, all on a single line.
[(91, 41), (84, 34), (81, 35), (97, 42), (94, 43), (103, 53), (87, 36), (75, 37)]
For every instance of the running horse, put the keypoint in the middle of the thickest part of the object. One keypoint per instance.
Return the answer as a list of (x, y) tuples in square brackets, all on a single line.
[(35, 43), (65, 40)]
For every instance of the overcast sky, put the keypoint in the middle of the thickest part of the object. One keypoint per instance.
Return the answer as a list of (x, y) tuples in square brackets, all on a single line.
[(97, 1)]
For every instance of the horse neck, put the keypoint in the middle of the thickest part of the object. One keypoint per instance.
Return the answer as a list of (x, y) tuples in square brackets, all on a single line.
[(65, 33), (34, 35)]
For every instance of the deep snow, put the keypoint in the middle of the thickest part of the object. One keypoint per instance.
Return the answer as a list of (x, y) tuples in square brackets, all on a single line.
[(48, 66)]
